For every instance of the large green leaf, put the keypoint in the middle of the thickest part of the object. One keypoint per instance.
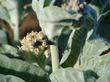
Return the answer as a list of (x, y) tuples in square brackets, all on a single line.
[(10, 78), (22, 69), (73, 75), (4, 15), (104, 78), (76, 42), (100, 65), (53, 19), (63, 40), (67, 75), (91, 56), (94, 48), (8, 50), (97, 46), (73, 48)]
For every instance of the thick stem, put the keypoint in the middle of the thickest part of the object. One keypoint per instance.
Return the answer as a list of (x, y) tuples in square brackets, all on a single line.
[(54, 58)]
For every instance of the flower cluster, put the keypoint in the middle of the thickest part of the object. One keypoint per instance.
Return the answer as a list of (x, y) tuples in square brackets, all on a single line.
[(74, 6), (34, 42)]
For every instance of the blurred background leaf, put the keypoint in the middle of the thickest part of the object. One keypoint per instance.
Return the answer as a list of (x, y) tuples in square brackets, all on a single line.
[(10, 78), (22, 69)]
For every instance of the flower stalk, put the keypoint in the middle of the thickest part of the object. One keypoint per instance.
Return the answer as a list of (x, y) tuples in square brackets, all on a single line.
[(54, 57)]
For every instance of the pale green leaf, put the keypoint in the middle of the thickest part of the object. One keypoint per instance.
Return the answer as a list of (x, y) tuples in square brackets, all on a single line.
[(8, 50), (4, 15), (93, 48), (104, 78), (53, 19), (67, 75), (10, 78), (76, 41), (22, 69), (73, 75)]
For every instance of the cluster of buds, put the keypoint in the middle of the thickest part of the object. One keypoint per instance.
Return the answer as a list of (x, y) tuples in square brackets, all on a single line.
[(34, 42), (74, 5)]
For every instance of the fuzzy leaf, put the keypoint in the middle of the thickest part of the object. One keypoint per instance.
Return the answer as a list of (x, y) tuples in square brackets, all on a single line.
[(22, 69), (94, 48), (100, 65), (8, 50), (53, 19), (91, 58), (67, 75), (73, 75), (104, 78), (76, 42), (10, 78), (4, 15)]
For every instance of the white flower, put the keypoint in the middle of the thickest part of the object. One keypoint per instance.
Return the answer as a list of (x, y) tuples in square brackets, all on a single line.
[(31, 43)]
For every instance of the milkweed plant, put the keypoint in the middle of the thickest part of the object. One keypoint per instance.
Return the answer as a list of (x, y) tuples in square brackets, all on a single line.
[(72, 46)]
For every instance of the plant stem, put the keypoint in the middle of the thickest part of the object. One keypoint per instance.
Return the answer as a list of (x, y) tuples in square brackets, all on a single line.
[(54, 57)]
